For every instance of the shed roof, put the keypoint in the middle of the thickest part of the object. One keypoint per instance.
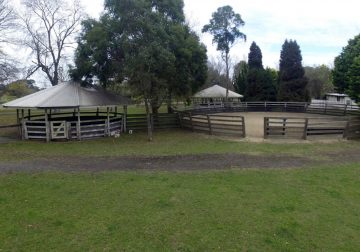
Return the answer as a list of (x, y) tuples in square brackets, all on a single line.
[(68, 95), (216, 91)]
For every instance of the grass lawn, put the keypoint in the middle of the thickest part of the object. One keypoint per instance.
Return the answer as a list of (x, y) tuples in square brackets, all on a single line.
[(309, 209), (172, 142)]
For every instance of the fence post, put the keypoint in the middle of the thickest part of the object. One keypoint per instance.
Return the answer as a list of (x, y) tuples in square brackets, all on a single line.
[(345, 108), (191, 122), (347, 128), (284, 127), (209, 122), (180, 119), (285, 106), (305, 128), (124, 119), (266, 120), (325, 107), (265, 106)]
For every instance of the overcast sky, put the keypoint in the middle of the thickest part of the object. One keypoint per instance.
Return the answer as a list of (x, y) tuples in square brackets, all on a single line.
[(321, 28)]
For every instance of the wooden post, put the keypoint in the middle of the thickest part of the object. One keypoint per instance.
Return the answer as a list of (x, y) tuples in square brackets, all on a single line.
[(124, 118), (209, 122), (266, 120), (325, 107), (18, 122), (284, 127), (29, 114), (47, 128), (265, 106), (345, 108), (305, 128), (107, 122), (78, 125), (24, 129), (347, 128), (180, 119), (243, 127), (97, 111), (21, 120), (285, 106), (191, 122), (116, 111)]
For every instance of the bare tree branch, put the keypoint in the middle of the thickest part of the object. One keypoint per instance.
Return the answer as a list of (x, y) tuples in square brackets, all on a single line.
[(50, 26)]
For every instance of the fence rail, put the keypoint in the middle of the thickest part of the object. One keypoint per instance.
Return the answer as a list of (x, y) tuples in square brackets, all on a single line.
[(304, 127)]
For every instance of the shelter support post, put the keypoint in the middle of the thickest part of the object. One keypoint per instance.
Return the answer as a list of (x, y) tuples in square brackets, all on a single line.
[(29, 114), (78, 125), (97, 111), (21, 123), (47, 126), (18, 122)]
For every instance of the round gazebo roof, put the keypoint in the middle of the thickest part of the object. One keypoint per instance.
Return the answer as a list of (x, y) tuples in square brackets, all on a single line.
[(216, 91), (68, 95)]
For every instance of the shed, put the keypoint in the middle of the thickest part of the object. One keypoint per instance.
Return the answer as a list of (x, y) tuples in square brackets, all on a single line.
[(66, 111), (215, 95)]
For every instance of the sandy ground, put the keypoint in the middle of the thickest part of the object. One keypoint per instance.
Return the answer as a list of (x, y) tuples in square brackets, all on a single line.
[(254, 121)]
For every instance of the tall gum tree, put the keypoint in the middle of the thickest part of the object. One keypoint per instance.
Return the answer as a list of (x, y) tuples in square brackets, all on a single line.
[(224, 26)]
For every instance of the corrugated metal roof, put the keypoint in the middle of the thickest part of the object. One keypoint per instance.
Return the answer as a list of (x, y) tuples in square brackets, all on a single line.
[(68, 95), (216, 91)]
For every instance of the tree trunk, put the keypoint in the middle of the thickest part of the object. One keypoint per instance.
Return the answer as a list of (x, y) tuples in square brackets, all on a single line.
[(227, 75), (169, 108), (148, 119)]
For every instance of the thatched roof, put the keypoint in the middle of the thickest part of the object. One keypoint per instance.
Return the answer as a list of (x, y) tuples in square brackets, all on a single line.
[(68, 95), (216, 91)]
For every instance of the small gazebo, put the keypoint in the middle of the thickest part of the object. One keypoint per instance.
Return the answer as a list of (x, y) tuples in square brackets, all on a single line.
[(69, 111), (215, 96)]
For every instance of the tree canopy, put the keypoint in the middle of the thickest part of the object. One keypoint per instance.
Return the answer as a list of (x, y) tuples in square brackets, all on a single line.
[(344, 75), (292, 83)]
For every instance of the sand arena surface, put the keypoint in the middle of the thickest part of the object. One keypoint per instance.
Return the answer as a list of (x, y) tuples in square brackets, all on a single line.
[(254, 121)]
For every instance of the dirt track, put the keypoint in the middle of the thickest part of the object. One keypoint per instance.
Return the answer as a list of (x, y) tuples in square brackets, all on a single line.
[(172, 163)]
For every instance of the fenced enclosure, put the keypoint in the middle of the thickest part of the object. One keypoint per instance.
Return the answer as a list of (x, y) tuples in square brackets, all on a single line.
[(214, 124), (271, 120)]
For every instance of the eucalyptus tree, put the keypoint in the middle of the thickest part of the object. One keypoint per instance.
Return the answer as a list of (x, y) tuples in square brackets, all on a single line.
[(224, 26)]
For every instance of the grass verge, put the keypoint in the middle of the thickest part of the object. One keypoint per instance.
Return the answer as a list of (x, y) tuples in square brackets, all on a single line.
[(256, 210)]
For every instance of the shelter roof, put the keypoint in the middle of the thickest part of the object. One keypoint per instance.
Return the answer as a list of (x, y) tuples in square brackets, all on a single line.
[(216, 91), (68, 95)]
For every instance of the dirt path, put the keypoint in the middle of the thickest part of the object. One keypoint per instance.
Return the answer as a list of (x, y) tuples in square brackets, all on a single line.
[(168, 163)]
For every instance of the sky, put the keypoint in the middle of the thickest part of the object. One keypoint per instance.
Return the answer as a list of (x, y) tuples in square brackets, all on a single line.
[(321, 28)]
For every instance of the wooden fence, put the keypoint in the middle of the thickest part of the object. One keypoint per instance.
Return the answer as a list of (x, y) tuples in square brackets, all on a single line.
[(214, 124), (300, 107), (292, 127), (158, 121)]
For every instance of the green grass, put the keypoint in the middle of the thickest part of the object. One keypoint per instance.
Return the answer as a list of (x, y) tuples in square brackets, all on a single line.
[(173, 142), (313, 209)]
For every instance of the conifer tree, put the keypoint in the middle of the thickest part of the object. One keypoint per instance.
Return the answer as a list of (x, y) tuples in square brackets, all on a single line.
[(260, 85), (292, 83)]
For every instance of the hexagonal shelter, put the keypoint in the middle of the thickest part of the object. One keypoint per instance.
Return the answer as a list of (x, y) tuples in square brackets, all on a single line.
[(69, 111), (214, 96)]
